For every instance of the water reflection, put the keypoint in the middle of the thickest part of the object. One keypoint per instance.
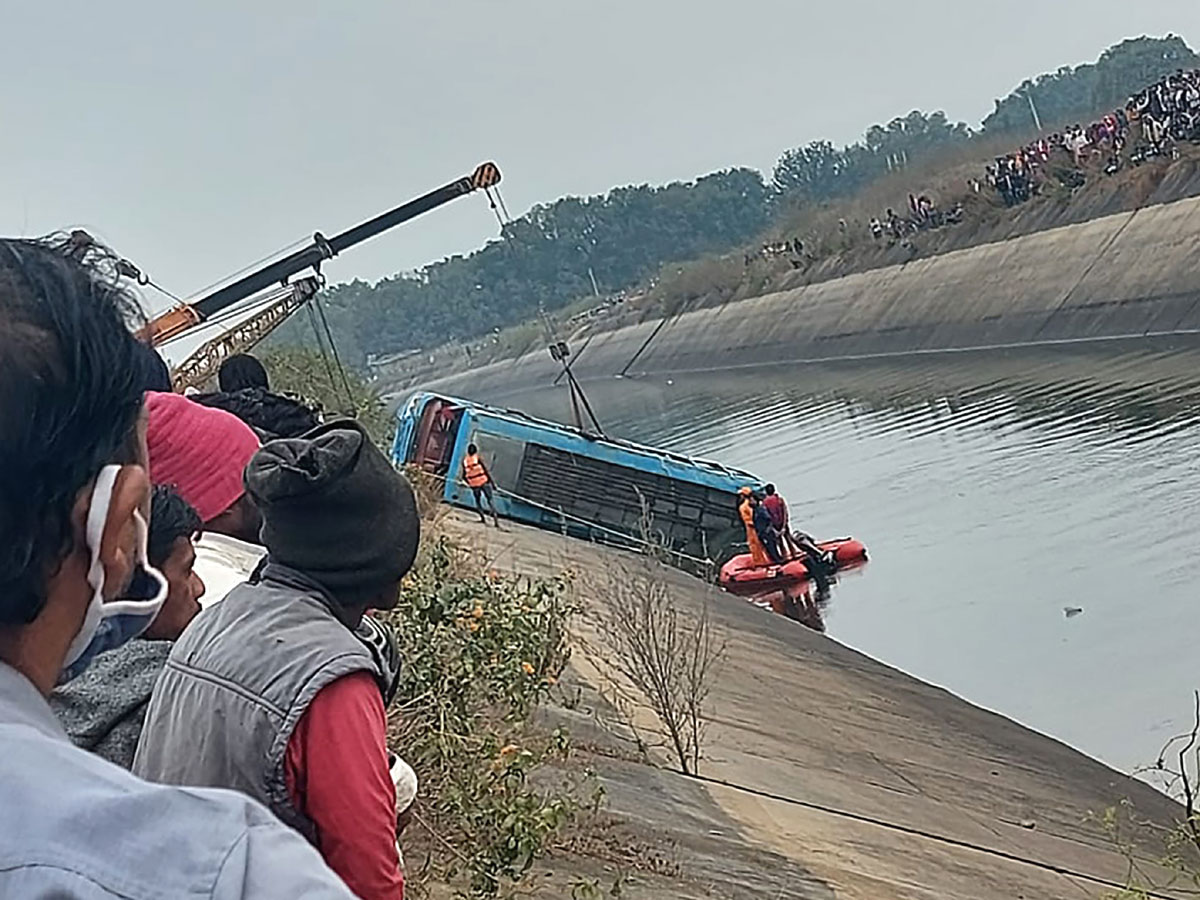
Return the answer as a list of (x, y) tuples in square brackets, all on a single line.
[(800, 604), (993, 491)]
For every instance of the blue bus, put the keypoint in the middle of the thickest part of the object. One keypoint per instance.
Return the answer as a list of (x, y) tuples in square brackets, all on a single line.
[(557, 477)]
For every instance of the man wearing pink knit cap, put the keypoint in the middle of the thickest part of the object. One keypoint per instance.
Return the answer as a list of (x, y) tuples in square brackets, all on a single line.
[(202, 452)]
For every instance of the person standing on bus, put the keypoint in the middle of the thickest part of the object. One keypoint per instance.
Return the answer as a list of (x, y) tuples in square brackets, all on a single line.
[(479, 480)]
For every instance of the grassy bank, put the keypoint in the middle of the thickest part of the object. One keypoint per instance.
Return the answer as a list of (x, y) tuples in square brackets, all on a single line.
[(481, 653)]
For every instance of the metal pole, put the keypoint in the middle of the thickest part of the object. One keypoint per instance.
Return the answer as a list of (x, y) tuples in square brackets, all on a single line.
[(577, 390), (574, 399), (645, 344), (1037, 120)]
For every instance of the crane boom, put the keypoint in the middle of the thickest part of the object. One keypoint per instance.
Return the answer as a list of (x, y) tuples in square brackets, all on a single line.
[(177, 320)]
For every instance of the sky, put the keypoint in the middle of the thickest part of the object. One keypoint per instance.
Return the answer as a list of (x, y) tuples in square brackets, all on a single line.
[(196, 138)]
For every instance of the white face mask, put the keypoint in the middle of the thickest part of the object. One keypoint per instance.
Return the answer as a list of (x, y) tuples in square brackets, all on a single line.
[(111, 624)]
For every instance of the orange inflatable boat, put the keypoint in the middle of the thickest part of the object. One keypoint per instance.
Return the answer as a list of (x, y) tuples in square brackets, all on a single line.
[(741, 576)]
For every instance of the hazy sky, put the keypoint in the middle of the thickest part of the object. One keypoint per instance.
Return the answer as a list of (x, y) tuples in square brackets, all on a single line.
[(198, 137)]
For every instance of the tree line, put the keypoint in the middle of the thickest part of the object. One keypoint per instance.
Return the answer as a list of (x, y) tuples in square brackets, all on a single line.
[(546, 259), (560, 252)]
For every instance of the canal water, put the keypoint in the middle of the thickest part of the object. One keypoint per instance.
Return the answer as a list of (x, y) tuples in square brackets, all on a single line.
[(1031, 516)]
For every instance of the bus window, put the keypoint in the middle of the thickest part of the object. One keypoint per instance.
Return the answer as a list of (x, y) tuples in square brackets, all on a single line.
[(503, 456)]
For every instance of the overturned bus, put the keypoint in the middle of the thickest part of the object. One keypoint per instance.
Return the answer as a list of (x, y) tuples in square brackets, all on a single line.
[(588, 486)]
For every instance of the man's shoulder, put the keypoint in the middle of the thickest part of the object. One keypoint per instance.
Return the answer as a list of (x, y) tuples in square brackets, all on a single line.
[(86, 828), (278, 624), (115, 685), (223, 563)]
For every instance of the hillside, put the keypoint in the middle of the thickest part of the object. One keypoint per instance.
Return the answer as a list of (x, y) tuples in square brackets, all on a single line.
[(720, 281), (605, 246)]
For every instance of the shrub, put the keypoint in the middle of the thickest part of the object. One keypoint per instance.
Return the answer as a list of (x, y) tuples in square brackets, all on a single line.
[(481, 652), (1176, 870)]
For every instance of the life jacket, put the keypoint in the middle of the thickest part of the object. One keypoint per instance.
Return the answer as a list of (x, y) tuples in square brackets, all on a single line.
[(746, 511), (473, 470)]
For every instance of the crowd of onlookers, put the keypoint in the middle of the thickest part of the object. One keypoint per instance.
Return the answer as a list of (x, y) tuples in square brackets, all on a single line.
[(781, 249), (1150, 125), (193, 688), (606, 305), (923, 214)]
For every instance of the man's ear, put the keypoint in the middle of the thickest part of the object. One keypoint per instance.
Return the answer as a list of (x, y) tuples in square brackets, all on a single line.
[(118, 543)]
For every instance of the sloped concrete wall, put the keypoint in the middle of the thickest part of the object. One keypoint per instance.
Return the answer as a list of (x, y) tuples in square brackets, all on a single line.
[(1128, 274)]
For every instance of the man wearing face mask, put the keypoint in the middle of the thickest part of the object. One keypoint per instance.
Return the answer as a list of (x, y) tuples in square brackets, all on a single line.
[(74, 581), (270, 691)]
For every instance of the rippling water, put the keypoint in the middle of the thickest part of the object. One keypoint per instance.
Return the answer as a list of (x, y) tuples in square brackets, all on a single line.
[(993, 490)]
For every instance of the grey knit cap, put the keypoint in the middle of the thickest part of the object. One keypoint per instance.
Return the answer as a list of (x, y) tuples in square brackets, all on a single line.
[(336, 509)]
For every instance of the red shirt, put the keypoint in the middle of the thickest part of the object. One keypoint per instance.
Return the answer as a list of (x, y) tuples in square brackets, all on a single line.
[(337, 774), (776, 509)]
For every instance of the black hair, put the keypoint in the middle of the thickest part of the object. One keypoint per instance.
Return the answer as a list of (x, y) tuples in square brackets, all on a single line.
[(270, 415), (70, 396), (769, 489), (241, 371), (171, 518), (471, 448), (154, 373)]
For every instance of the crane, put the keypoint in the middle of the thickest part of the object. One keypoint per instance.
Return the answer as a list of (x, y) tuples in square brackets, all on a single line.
[(185, 316), (202, 364)]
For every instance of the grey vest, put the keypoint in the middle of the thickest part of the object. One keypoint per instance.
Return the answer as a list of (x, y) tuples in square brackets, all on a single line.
[(237, 682)]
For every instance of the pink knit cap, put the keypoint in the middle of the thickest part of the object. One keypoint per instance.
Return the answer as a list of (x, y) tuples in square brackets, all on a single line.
[(199, 451)]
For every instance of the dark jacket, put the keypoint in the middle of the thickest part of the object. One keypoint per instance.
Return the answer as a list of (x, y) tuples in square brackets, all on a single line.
[(762, 524)]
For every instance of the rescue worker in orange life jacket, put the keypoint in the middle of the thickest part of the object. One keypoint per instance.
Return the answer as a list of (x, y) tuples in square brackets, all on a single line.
[(479, 480), (746, 506)]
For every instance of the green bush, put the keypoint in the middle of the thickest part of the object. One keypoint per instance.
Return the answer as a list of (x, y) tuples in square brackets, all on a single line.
[(481, 652), (306, 372)]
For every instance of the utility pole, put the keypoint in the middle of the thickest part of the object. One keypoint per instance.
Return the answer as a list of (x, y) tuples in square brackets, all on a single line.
[(1037, 120)]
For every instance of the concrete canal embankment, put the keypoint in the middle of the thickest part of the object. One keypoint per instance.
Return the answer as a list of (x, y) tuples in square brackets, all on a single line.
[(1125, 275), (828, 774)]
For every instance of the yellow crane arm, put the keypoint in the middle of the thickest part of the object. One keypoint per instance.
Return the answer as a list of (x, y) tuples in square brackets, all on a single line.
[(201, 364)]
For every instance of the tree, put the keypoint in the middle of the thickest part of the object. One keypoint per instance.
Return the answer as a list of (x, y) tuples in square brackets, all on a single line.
[(820, 171), (1080, 93), (545, 260), (658, 652)]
